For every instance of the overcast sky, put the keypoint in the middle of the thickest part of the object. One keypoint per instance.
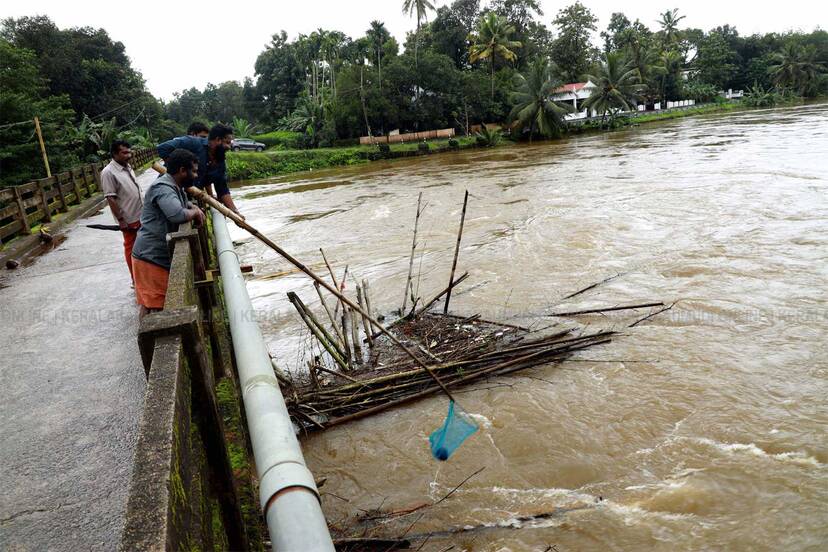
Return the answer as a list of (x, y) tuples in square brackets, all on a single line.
[(177, 45)]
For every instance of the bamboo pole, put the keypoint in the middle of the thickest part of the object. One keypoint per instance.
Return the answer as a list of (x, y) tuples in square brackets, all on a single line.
[(437, 297), (549, 343), (316, 322), (341, 288), (42, 147), (366, 326), (367, 298), (513, 363), (355, 336), (317, 332), (328, 312), (411, 259), (313, 377), (456, 251), (338, 374), (240, 222), (608, 309), (345, 333)]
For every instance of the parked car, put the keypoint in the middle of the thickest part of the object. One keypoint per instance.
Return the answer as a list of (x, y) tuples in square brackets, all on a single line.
[(246, 144)]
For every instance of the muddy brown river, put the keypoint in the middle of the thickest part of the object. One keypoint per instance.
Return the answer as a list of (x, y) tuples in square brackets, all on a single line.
[(703, 428)]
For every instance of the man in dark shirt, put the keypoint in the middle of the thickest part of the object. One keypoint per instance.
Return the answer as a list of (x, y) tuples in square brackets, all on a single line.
[(210, 152), (165, 207)]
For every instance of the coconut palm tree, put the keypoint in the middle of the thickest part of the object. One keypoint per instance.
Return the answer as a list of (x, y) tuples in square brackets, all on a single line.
[(534, 106), (796, 68), (617, 86), (669, 28), (419, 8), (491, 41), (668, 64)]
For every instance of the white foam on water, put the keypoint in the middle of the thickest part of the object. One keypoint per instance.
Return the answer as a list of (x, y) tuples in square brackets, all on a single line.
[(554, 493), (794, 457), (674, 481), (630, 514), (382, 212), (481, 420)]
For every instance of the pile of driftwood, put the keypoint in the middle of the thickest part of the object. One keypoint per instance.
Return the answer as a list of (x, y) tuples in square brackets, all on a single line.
[(358, 371)]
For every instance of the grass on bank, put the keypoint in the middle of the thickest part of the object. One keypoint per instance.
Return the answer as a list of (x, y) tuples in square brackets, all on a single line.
[(249, 165)]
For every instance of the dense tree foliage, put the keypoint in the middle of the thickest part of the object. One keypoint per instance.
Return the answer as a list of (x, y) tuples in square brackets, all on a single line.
[(24, 94), (462, 64), (81, 85), (470, 62)]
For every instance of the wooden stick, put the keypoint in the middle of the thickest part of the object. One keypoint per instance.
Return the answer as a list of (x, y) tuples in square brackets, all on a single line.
[(591, 286), (367, 298), (477, 318), (451, 492), (410, 376), (240, 222), (345, 333), (355, 336), (318, 332), (338, 374), (341, 288), (608, 309), (437, 297), (366, 326), (426, 392), (411, 259), (330, 270), (313, 376), (317, 323), (456, 251), (329, 313), (659, 311)]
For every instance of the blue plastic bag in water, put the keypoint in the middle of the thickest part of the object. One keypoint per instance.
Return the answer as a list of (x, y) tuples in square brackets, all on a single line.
[(456, 429)]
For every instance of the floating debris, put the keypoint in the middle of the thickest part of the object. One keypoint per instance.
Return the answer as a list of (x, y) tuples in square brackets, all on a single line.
[(359, 371)]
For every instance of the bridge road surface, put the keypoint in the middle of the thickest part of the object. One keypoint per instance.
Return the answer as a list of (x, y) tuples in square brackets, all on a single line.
[(71, 393)]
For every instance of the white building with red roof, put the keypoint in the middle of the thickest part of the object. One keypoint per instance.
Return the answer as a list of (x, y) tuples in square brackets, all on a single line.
[(572, 93)]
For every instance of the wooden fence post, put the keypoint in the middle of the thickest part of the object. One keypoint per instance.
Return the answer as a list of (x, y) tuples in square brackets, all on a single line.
[(89, 179), (24, 229), (78, 196), (47, 212), (63, 204), (96, 172)]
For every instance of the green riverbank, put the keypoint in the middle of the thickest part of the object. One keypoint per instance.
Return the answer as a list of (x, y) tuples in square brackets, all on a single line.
[(250, 166)]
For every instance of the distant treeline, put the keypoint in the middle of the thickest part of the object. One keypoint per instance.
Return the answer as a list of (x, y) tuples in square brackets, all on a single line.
[(461, 64)]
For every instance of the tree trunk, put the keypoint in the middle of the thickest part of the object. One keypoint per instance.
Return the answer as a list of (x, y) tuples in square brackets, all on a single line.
[(362, 97), (417, 61), (492, 76)]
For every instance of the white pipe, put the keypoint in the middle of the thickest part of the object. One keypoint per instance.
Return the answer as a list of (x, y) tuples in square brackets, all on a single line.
[(287, 490)]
